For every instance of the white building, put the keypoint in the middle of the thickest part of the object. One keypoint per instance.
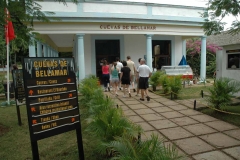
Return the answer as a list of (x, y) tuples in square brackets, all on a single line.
[(227, 59), (93, 30)]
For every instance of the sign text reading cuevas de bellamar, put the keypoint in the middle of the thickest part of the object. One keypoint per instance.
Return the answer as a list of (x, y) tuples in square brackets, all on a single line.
[(127, 27), (55, 68)]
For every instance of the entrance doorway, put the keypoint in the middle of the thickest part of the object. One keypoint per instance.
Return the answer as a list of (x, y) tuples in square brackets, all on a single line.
[(106, 49), (161, 50)]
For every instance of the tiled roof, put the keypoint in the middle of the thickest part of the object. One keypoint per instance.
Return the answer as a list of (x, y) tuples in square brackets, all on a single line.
[(224, 39)]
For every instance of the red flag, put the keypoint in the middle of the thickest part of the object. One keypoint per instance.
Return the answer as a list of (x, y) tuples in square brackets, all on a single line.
[(9, 31)]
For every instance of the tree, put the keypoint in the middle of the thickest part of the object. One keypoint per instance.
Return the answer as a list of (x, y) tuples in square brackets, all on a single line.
[(23, 13), (216, 11), (193, 56)]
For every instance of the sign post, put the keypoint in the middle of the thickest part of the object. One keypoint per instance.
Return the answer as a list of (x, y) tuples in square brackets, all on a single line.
[(19, 91), (51, 99)]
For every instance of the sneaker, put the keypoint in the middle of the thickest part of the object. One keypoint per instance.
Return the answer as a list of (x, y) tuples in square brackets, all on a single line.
[(116, 94), (120, 88), (148, 98), (141, 99), (129, 94), (134, 90)]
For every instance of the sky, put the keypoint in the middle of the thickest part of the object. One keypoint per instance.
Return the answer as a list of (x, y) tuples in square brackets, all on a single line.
[(198, 3)]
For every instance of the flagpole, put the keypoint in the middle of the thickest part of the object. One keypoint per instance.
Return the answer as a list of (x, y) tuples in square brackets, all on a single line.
[(8, 98), (8, 92)]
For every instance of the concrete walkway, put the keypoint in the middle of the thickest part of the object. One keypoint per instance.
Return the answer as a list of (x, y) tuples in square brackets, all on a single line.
[(196, 135)]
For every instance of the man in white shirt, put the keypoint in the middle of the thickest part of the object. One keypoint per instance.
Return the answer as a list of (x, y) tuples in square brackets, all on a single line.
[(119, 66), (144, 74), (131, 65)]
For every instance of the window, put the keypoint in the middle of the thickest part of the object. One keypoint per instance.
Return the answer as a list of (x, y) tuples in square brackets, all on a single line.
[(233, 59)]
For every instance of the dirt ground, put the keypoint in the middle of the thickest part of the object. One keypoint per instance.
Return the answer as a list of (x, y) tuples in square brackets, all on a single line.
[(3, 130)]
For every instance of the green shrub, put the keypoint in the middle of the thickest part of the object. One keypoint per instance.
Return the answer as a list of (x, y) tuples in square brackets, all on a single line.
[(175, 84), (223, 89), (151, 149), (99, 103), (155, 79), (109, 124), (164, 83), (87, 88)]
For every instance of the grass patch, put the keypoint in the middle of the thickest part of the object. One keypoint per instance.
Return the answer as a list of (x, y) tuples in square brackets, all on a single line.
[(233, 119), (189, 92), (15, 143)]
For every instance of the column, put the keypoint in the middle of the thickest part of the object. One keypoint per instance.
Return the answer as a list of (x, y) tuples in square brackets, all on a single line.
[(203, 59), (80, 55), (149, 50), (39, 49), (184, 48), (32, 49), (45, 50), (49, 51)]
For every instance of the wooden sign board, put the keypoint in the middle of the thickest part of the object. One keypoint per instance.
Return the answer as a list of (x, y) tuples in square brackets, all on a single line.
[(51, 97), (18, 86), (19, 91)]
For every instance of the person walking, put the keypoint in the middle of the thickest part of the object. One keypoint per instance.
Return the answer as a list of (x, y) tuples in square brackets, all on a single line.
[(110, 79), (144, 74), (131, 65), (125, 78), (115, 78), (137, 79), (105, 75), (119, 66)]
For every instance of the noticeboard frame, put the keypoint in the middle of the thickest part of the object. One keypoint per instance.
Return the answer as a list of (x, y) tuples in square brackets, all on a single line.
[(16, 87), (30, 75)]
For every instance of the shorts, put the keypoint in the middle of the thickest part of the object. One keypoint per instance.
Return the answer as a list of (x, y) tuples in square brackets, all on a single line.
[(143, 82), (132, 78), (115, 80), (125, 81)]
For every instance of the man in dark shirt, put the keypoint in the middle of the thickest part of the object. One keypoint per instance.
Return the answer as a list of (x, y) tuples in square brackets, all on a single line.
[(125, 78)]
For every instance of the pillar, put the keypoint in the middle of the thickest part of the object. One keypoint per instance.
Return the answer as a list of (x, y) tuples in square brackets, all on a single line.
[(184, 48), (32, 49), (149, 50), (80, 55), (39, 49), (203, 58), (45, 50), (49, 51)]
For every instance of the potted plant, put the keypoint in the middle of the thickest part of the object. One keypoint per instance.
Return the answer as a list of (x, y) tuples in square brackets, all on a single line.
[(155, 80), (175, 85)]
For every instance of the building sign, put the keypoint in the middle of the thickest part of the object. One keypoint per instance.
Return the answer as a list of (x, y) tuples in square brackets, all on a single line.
[(51, 93), (18, 86), (51, 99), (127, 27)]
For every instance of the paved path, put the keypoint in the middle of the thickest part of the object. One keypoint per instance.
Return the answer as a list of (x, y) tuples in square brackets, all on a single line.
[(196, 135)]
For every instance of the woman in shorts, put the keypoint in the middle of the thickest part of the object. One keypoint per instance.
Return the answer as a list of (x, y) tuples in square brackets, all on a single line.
[(114, 77), (125, 78)]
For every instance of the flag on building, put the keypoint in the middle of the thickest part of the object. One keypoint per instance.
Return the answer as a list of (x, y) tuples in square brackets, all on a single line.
[(9, 31)]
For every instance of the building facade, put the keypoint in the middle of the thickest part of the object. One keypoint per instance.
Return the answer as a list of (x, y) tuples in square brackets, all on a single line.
[(93, 30), (227, 59)]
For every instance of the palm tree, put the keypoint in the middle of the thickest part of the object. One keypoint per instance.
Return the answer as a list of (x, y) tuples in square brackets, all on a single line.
[(151, 149), (110, 124)]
